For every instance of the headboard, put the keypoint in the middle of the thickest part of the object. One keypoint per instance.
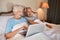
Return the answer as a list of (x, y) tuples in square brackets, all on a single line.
[(8, 13)]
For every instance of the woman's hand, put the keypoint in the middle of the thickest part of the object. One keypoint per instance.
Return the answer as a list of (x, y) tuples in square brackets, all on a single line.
[(25, 28)]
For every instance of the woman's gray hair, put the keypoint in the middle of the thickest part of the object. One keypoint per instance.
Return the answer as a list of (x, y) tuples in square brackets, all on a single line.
[(17, 7)]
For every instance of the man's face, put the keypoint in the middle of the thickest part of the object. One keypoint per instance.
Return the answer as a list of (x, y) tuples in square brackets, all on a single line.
[(29, 12), (18, 13)]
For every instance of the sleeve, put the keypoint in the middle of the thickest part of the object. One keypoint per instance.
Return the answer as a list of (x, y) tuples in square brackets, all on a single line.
[(8, 27)]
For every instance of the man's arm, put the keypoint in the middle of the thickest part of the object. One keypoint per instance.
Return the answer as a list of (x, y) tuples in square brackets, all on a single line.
[(48, 25), (32, 22)]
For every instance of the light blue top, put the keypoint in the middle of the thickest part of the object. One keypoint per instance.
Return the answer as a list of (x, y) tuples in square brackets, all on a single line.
[(11, 22)]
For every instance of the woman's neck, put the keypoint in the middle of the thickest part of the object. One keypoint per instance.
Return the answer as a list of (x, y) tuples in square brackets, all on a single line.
[(15, 17)]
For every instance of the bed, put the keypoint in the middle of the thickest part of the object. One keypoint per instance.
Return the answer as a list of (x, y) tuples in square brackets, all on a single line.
[(55, 34)]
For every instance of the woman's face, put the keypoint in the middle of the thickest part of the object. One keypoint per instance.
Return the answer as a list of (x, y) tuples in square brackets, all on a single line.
[(18, 13), (29, 12)]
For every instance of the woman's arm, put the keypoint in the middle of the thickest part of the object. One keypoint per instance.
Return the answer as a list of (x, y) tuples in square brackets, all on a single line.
[(11, 34)]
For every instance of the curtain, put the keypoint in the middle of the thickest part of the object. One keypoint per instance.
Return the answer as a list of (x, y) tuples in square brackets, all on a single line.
[(53, 13)]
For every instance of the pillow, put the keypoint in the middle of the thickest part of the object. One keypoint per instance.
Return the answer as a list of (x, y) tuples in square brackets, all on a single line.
[(38, 21), (3, 22)]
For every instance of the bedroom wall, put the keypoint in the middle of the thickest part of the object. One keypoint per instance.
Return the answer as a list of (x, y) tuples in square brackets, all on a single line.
[(4, 7)]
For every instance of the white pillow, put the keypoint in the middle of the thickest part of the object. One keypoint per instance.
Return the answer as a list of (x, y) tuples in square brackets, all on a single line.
[(3, 22), (38, 21)]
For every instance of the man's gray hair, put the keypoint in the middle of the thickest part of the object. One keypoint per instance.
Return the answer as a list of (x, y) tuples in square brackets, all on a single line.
[(17, 7)]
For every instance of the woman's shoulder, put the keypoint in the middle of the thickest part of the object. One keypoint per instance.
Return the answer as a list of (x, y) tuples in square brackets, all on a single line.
[(23, 18), (10, 19)]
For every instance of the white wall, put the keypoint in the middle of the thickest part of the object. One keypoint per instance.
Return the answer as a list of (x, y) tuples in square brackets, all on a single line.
[(34, 4), (0, 5)]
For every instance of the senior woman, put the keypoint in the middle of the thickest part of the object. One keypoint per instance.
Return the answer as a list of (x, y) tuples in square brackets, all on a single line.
[(16, 19)]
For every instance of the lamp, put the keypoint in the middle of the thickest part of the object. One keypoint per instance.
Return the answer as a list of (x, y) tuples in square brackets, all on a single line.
[(41, 11), (44, 5)]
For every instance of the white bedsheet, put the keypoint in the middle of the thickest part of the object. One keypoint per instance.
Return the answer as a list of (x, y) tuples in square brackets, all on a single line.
[(3, 21), (39, 36)]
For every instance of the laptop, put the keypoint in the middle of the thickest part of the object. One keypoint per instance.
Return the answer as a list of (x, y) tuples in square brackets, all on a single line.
[(34, 29)]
